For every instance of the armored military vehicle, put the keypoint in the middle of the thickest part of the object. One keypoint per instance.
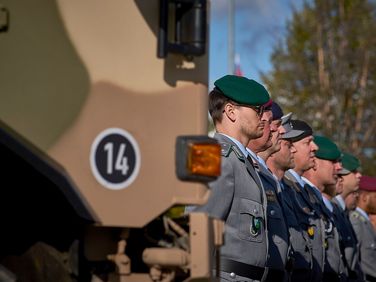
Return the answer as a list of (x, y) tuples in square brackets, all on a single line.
[(103, 113)]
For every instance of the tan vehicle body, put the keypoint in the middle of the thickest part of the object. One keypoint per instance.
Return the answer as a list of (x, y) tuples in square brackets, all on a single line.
[(69, 71)]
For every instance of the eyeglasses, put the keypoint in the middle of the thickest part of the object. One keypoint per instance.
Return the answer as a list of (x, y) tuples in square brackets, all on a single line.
[(258, 109)]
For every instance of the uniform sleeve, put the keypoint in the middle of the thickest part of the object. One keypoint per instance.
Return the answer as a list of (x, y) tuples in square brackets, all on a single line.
[(222, 192)]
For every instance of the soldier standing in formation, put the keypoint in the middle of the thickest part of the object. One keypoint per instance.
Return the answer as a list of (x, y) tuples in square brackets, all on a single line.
[(363, 228), (301, 250), (279, 243), (350, 176), (277, 195), (236, 107), (321, 176), (344, 202), (308, 217)]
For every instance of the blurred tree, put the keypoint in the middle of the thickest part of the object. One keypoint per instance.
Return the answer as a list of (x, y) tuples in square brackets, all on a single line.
[(324, 72)]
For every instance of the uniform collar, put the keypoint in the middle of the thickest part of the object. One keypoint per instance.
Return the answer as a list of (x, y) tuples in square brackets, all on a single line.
[(341, 202), (297, 177), (315, 189), (263, 163), (252, 154), (363, 213), (237, 143), (257, 158), (328, 204)]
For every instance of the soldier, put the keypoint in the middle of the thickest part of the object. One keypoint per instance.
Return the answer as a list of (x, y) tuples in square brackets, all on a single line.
[(307, 216), (321, 177), (364, 231), (279, 121), (277, 227), (237, 197), (279, 162), (372, 218), (352, 200), (349, 178)]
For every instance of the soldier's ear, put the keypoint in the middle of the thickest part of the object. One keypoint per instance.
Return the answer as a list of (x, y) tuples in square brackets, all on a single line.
[(230, 111)]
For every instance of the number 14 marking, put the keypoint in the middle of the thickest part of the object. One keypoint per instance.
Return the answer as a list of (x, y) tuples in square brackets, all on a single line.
[(121, 161)]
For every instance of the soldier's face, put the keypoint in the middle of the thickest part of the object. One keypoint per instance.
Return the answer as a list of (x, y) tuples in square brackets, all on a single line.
[(328, 171), (265, 141), (305, 153), (351, 181), (250, 123), (372, 218), (276, 135), (339, 185), (371, 202), (284, 158)]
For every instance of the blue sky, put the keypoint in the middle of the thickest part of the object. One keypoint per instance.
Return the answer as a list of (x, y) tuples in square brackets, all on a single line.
[(259, 24)]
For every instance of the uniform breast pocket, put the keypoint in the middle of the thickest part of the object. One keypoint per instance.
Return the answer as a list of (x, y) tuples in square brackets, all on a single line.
[(251, 221)]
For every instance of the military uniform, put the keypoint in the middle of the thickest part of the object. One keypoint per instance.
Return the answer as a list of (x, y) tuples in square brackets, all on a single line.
[(236, 195), (301, 247), (310, 221), (366, 236), (278, 235), (238, 199), (349, 243), (334, 268)]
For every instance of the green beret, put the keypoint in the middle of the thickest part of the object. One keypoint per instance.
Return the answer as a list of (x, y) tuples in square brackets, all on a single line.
[(328, 150), (349, 163), (243, 90)]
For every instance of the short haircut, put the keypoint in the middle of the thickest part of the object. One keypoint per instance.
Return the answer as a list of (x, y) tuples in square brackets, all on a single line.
[(217, 101)]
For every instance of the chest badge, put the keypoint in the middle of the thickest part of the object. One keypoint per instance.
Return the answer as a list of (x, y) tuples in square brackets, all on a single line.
[(255, 226), (311, 232)]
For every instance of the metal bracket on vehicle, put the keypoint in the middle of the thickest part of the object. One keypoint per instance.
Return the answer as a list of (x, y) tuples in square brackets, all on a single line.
[(4, 19)]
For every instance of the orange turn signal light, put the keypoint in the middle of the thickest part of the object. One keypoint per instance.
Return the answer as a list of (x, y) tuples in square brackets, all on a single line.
[(198, 158), (204, 159)]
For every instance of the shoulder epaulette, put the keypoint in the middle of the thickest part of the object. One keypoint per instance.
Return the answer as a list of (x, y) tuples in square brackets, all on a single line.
[(227, 148), (292, 184), (354, 214), (357, 215), (296, 188), (238, 153)]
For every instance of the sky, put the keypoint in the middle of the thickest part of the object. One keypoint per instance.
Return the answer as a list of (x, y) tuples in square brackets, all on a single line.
[(258, 26)]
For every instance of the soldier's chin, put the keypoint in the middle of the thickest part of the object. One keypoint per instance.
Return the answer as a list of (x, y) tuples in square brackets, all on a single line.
[(259, 134), (312, 165)]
